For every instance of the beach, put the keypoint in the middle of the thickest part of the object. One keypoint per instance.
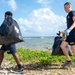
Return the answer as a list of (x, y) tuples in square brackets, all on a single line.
[(32, 68)]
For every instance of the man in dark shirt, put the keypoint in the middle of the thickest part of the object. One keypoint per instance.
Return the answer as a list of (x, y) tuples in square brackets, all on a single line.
[(11, 49), (70, 33)]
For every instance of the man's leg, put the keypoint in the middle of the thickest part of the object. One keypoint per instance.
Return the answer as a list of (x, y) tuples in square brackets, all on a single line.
[(1, 56), (73, 50), (20, 68), (15, 55), (64, 49)]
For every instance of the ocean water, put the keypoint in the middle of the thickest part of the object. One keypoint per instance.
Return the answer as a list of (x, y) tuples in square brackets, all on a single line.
[(40, 43)]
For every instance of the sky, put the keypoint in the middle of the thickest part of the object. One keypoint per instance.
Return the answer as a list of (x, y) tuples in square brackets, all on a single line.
[(37, 17)]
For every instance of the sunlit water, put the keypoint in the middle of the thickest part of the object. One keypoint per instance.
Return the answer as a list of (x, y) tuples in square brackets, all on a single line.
[(37, 43)]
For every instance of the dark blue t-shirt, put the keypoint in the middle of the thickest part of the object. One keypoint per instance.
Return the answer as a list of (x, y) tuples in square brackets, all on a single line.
[(70, 22)]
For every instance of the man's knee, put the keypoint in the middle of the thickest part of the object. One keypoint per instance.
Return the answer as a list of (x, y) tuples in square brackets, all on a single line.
[(63, 45)]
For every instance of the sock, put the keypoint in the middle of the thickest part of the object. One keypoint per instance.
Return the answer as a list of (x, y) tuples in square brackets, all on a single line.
[(19, 66), (69, 61)]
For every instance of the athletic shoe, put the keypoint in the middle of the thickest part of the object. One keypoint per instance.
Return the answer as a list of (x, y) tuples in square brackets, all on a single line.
[(68, 63), (20, 69)]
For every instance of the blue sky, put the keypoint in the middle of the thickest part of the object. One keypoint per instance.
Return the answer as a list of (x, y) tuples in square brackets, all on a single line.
[(37, 17)]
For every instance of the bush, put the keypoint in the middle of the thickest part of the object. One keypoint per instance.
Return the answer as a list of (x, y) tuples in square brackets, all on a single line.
[(44, 57)]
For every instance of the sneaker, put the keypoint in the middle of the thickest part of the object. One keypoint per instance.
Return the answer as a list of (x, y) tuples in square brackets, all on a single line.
[(20, 70), (68, 63)]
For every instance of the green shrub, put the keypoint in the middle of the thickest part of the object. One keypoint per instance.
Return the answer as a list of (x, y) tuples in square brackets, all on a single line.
[(44, 57), (45, 61)]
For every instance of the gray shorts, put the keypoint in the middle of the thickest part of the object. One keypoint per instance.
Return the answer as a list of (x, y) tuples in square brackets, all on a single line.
[(9, 48)]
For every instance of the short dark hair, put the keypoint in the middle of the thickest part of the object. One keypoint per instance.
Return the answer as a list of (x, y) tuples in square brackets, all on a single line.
[(8, 13), (67, 3)]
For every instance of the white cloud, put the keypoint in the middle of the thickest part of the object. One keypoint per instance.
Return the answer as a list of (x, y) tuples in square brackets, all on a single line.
[(44, 1), (42, 22), (12, 4)]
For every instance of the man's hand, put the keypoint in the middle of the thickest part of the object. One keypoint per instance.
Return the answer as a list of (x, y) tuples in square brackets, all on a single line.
[(67, 32)]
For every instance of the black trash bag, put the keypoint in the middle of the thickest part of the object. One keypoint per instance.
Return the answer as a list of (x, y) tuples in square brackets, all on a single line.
[(7, 26), (10, 32), (56, 50)]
